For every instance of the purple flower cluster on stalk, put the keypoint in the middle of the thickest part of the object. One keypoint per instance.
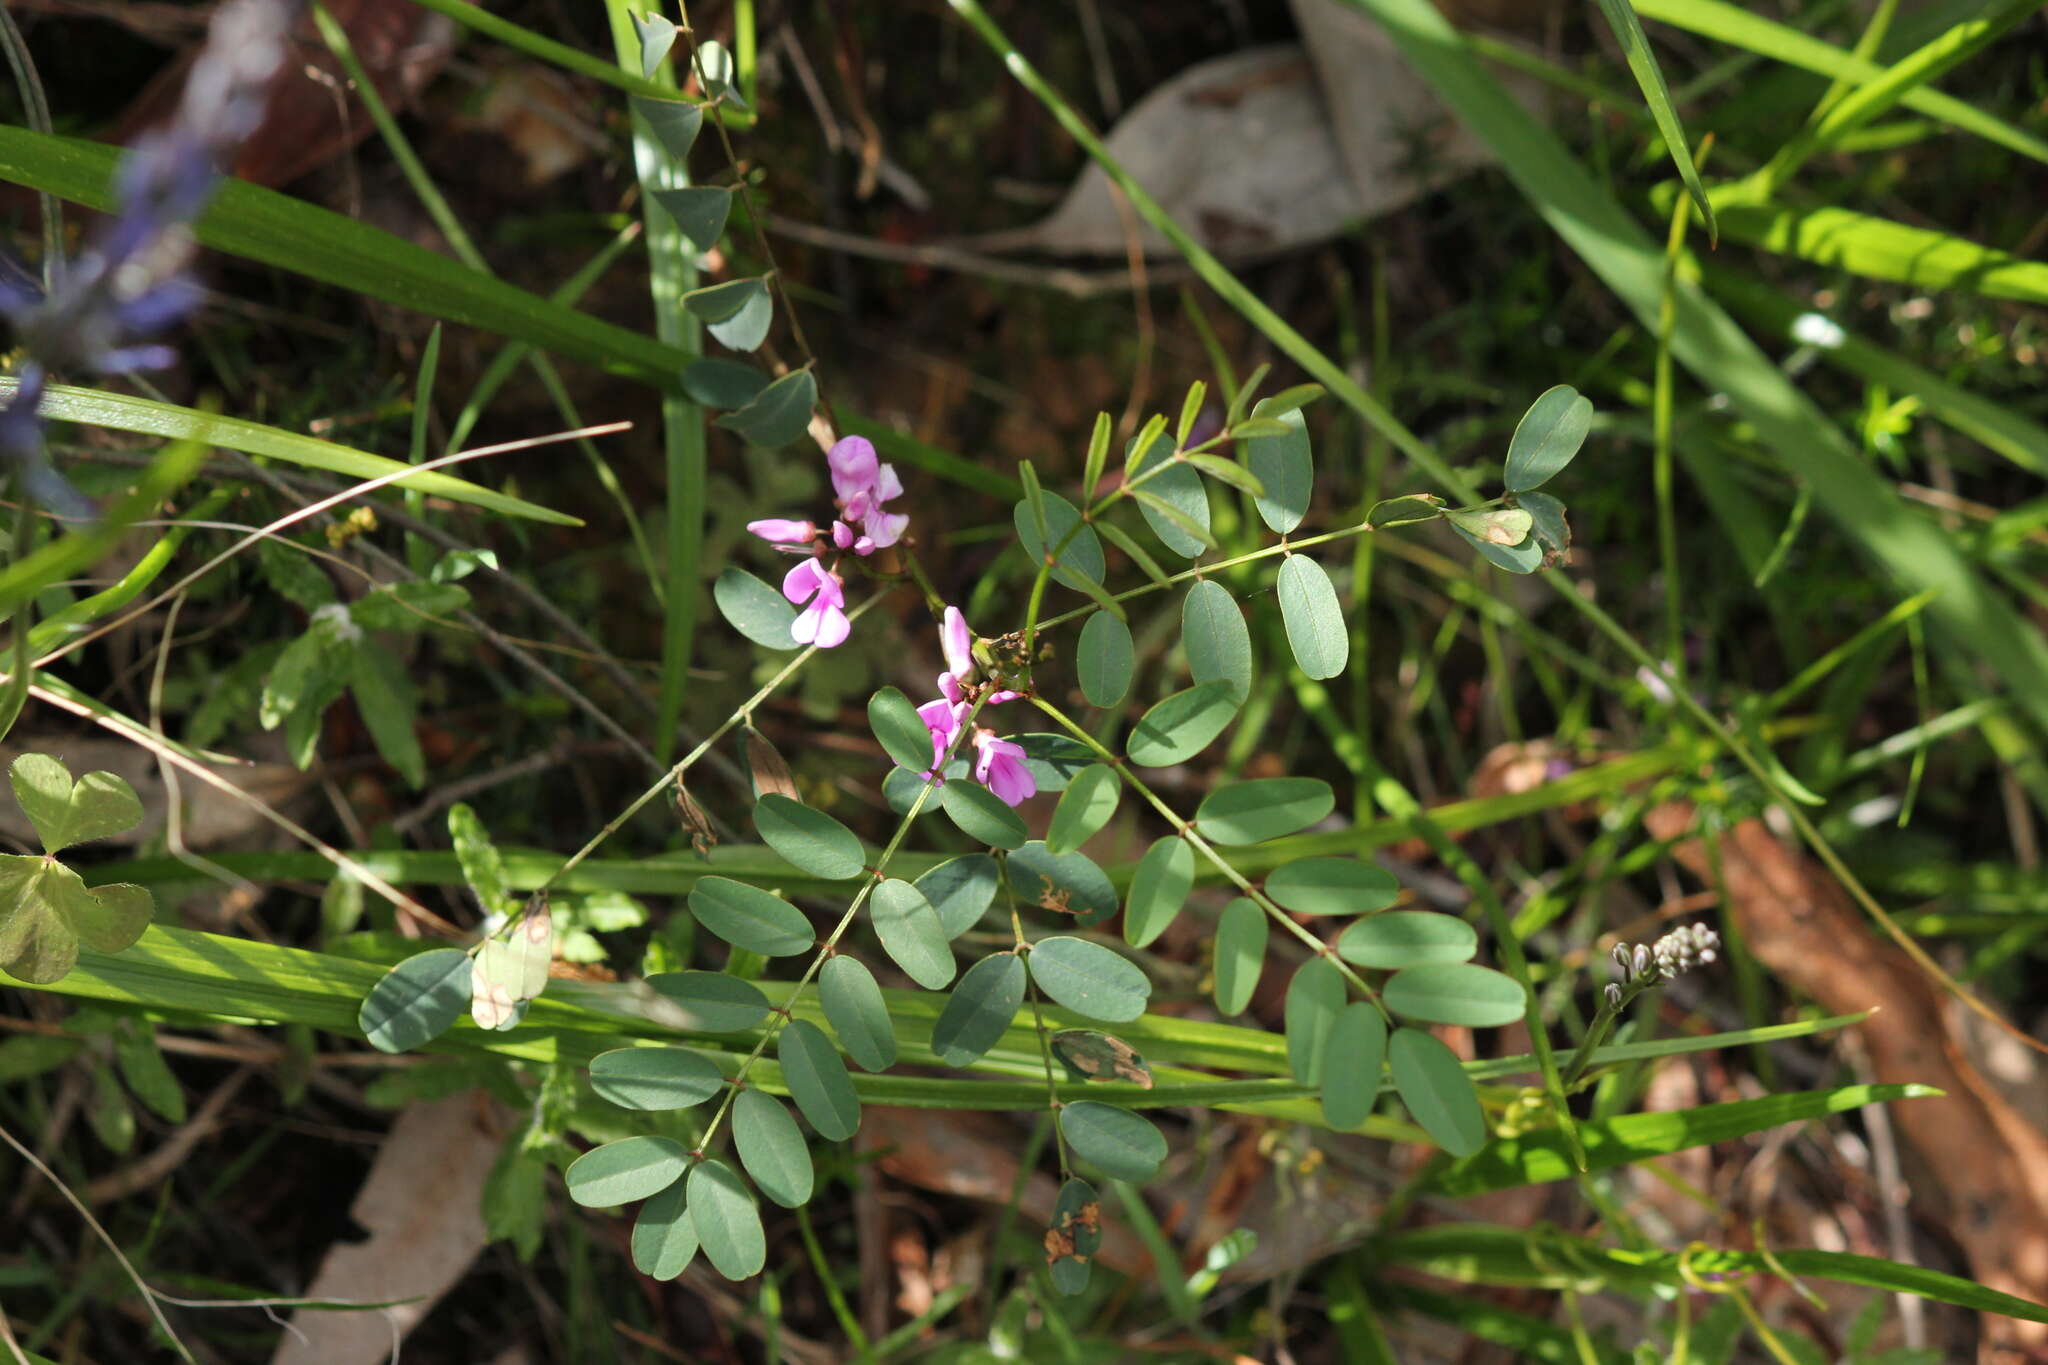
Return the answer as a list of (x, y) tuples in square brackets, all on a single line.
[(861, 485), (131, 284), (998, 763)]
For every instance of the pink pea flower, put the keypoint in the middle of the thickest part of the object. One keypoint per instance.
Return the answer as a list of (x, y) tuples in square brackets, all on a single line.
[(854, 470), (781, 531), (823, 622), (999, 766), (942, 718), (862, 483), (958, 643)]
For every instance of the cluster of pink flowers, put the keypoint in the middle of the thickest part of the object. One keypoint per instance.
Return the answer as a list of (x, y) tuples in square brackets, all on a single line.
[(861, 485), (998, 763)]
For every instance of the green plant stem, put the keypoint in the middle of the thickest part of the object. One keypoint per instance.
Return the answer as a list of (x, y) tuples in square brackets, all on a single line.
[(1052, 1085)]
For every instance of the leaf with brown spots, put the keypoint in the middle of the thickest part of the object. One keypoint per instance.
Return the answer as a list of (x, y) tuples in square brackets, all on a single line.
[(1096, 1056), (1074, 1237)]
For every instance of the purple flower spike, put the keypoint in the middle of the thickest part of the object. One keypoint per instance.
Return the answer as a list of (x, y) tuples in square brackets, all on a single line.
[(1000, 767), (778, 531), (823, 622)]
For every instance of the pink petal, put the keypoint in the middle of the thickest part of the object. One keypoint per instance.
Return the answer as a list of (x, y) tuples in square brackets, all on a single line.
[(998, 698), (1011, 781), (781, 531), (886, 527), (853, 465), (833, 628), (958, 643), (842, 535), (949, 688), (887, 485), (803, 581)]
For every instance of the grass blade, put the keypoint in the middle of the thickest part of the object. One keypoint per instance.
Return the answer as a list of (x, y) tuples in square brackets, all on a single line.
[(1635, 46)]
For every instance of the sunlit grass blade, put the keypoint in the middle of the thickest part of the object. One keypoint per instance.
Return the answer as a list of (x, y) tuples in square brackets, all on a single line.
[(1884, 250), (1916, 553), (146, 416), (1635, 46), (1742, 27), (66, 555)]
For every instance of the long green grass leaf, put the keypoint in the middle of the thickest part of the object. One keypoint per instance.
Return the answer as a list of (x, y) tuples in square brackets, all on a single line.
[(146, 416), (1744, 28), (1535, 1157), (1642, 63), (275, 229)]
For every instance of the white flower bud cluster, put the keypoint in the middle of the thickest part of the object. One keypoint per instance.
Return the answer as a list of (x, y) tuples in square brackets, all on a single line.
[(1689, 946)]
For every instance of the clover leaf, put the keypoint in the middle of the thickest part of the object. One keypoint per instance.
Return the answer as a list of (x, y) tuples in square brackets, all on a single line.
[(46, 909)]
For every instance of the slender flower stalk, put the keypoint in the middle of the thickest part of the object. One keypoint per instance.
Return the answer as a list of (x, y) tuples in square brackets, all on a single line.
[(102, 309), (1639, 968)]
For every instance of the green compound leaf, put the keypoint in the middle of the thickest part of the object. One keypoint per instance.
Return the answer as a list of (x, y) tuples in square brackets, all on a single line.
[(484, 868), (1225, 470), (47, 912), (1159, 888), (1405, 510), (779, 413), (1525, 557), (1285, 468), (1502, 527), (64, 813), (718, 302), (903, 736), (748, 917), (1548, 524), (1456, 993), (1409, 938), (1074, 1236), (981, 814), (674, 123), (1314, 1000), (654, 1078), (1085, 807), (657, 35), (1064, 883), (1218, 644), (416, 1001), (1240, 954), (700, 212), (623, 1171), (809, 839), (1263, 808), (1053, 760), (1105, 659), (664, 1237), (720, 383), (728, 1221), (911, 934), (1314, 620), (1178, 727), (818, 1080), (1547, 437), (1089, 979), (712, 1001), (1351, 1066), (1119, 1142), (1438, 1093), (1332, 886), (858, 1012), (1081, 562), (738, 313), (979, 1009), (754, 609), (961, 891), (772, 1148), (1177, 509)]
